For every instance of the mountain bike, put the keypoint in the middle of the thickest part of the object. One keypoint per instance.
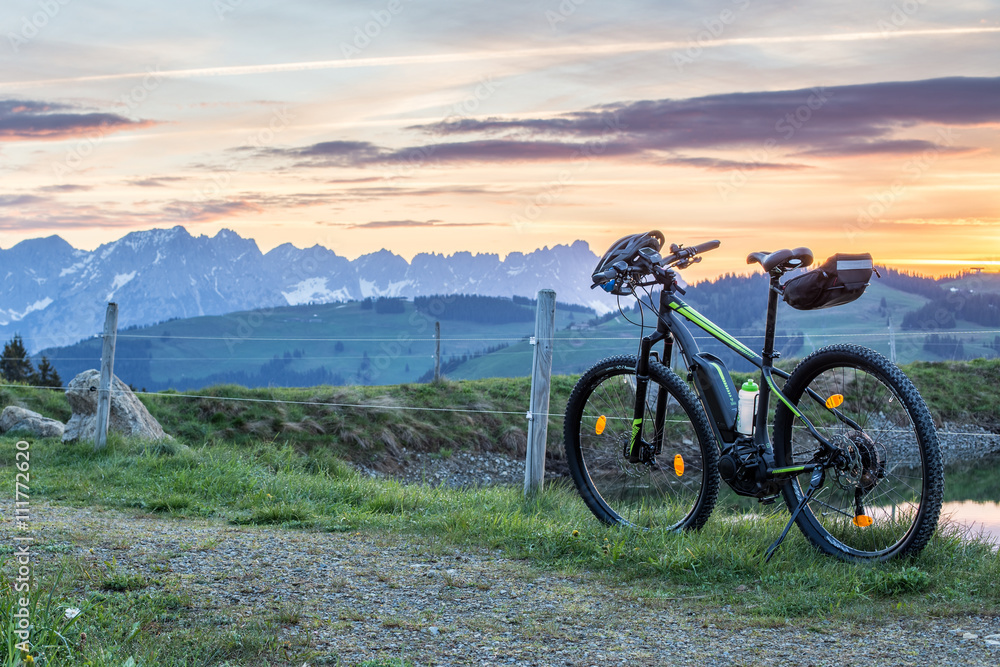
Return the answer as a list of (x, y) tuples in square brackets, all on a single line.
[(854, 453)]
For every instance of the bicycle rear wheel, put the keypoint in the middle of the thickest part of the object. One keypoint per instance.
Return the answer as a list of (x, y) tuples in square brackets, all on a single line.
[(675, 490), (886, 501)]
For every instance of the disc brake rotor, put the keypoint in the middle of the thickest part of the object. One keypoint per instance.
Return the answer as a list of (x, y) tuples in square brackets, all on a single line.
[(865, 465), (630, 468)]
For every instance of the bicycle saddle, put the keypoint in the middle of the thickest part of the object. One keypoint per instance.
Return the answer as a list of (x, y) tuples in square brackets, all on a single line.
[(791, 259)]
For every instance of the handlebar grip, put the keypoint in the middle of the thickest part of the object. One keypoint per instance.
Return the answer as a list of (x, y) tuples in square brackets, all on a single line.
[(604, 276), (704, 247)]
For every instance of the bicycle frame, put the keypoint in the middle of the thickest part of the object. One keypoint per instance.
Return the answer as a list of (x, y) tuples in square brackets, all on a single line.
[(672, 313)]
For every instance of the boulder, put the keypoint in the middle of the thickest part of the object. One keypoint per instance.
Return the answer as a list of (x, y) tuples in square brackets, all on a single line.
[(128, 416), (21, 420)]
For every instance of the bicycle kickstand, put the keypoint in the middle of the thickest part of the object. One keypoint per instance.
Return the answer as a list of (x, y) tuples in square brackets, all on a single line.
[(814, 484)]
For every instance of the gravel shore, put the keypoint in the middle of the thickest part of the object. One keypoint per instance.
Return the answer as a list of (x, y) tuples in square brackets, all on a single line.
[(368, 596)]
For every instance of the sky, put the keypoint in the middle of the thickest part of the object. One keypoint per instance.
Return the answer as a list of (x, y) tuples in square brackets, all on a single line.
[(429, 126)]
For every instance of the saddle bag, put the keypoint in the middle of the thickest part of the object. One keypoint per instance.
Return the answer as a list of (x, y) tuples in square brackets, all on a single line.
[(841, 279)]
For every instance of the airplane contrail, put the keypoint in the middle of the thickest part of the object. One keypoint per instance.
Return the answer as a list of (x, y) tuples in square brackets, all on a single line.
[(432, 59)]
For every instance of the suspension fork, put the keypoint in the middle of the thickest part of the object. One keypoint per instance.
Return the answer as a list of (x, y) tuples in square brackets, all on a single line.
[(661, 400), (634, 452)]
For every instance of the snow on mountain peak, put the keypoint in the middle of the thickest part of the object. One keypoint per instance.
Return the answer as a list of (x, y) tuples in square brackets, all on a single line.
[(170, 273)]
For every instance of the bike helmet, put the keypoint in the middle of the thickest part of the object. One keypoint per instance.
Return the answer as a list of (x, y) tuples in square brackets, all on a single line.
[(626, 249)]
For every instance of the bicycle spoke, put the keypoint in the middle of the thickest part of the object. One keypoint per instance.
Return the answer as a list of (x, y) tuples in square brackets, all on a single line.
[(871, 504)]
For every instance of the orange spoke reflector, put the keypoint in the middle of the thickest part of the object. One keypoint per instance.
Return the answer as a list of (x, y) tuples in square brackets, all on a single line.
[(862, 521), (834, 401), (679, 465), (601, 422)]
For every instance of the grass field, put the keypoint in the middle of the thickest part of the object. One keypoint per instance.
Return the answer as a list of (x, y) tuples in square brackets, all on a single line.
[(127, 615), (277, 458)]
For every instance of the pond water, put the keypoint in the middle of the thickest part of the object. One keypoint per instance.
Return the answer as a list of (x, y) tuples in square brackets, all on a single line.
[(979, 518), (972, 497), (971, 494)]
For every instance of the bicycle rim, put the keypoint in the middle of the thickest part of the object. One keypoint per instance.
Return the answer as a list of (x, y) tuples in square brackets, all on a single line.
[(673, 491), (886, 502)]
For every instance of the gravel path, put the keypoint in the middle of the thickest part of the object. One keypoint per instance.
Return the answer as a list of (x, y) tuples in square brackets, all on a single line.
[(366, 596)]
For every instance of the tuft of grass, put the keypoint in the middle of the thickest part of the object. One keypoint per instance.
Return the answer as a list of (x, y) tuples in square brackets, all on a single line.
[(171, 503), (293, 515), (115, 580)]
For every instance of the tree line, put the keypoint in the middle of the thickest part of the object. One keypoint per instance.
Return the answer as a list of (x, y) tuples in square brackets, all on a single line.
[(474, 308), (943, 311), (16, 366)]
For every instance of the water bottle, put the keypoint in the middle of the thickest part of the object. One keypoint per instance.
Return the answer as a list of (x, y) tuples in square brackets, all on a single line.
[(748, 408)]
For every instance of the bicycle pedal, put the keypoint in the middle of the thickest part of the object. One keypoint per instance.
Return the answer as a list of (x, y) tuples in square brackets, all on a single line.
[(768, 500)]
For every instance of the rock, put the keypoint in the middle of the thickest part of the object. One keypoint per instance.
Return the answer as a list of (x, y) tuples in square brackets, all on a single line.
[(15, 419), (128, 416)]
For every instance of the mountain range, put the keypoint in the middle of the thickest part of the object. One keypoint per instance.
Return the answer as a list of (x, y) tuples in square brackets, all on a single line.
[(54, 294)]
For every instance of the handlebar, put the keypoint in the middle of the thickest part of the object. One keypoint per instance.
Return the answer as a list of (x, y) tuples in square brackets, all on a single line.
[(604, 276), (679, 256)]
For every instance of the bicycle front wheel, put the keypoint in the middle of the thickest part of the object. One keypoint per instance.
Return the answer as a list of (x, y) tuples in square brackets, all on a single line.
[(885, 501), (676, 486)]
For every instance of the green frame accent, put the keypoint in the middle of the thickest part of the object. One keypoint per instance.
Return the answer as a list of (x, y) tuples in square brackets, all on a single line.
[(781, 471), (781, 396), (636, 425), (711, 327)]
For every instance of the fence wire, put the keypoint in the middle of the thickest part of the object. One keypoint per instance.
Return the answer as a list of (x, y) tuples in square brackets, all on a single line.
[(369, 406)]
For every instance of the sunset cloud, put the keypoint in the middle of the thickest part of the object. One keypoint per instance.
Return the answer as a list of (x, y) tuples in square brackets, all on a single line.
[(389, 224), (838, 121), (27, 120)]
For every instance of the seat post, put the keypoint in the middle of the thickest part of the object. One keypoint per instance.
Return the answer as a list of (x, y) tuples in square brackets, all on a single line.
[(772, 316)]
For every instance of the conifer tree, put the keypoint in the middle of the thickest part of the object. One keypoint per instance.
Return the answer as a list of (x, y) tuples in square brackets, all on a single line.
[(47, 375), (15, 366)]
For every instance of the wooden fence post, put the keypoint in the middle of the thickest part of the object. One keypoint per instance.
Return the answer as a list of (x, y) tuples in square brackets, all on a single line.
[(437, 351), (541, 376), (107, 373)]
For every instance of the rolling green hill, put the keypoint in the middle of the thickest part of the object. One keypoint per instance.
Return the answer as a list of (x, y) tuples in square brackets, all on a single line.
[(864, 321), (339, 343), (391, 343)]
